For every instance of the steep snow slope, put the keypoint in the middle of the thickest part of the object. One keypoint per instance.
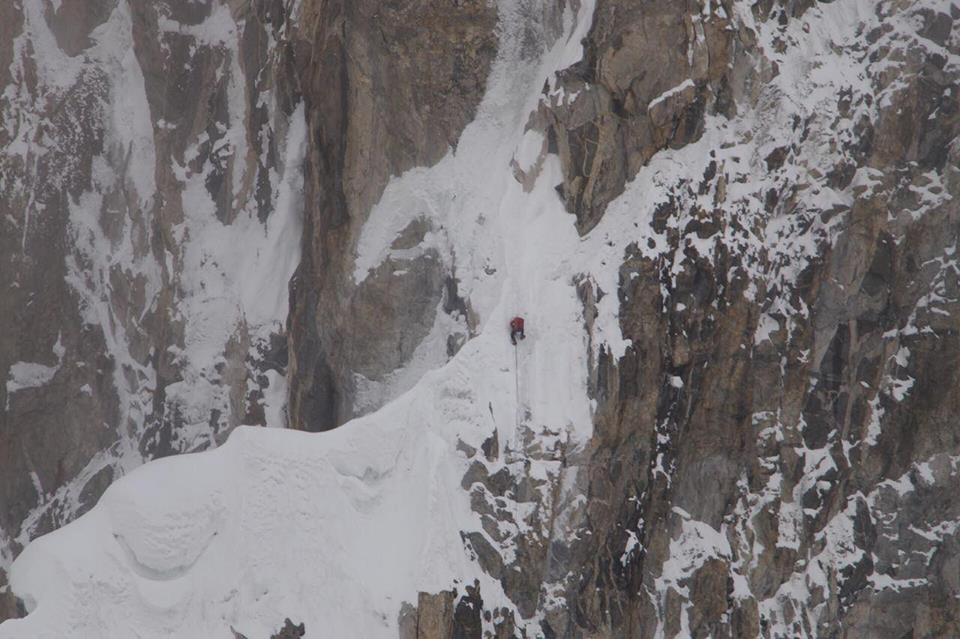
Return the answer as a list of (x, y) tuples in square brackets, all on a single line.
[(338, 529)]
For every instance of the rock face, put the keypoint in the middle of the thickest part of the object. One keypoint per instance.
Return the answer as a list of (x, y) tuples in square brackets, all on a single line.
[(763, 444), (774, 449), (445, 615), (390, 88), (772, 452), (139, 146), (650, 73)]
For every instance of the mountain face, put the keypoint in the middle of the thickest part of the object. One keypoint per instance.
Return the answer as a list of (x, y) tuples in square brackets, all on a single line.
[(731, 227), (151, 209)]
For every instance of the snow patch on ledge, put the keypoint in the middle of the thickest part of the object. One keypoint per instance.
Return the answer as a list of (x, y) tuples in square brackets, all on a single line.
[(669, 93), (24, 375), (29, 375)]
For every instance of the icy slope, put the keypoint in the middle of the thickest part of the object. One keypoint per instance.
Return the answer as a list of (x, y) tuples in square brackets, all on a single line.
[(338, 529)]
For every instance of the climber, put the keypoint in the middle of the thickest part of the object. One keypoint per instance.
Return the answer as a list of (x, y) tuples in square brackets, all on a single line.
[(516, 330)]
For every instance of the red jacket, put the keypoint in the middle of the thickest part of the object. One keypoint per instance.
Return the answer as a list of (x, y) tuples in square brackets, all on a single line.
[(516, 324)]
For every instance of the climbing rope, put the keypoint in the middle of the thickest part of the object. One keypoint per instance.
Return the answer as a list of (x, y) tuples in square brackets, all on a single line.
[(516, 384)]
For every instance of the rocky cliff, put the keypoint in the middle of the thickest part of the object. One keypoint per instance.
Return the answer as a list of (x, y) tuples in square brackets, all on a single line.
[(389, 88), (788, 384), (150, 171), (732, 227)]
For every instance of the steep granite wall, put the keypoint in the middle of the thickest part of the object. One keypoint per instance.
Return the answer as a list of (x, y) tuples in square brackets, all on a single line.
[(388, 87), (774, 451)]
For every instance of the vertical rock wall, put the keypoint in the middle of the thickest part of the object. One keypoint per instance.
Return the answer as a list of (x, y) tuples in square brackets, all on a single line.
[(389, 87), (140, 145), (774, 452)]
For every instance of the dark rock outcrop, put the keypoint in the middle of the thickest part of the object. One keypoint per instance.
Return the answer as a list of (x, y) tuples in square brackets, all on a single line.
[(446, 615), (650, 73), (390, 86)]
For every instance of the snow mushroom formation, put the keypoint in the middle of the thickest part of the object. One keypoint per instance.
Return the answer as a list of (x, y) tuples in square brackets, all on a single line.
[(259, 260)]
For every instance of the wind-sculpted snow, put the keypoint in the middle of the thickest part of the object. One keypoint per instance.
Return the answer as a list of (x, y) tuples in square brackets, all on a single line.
[(334, 530)]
